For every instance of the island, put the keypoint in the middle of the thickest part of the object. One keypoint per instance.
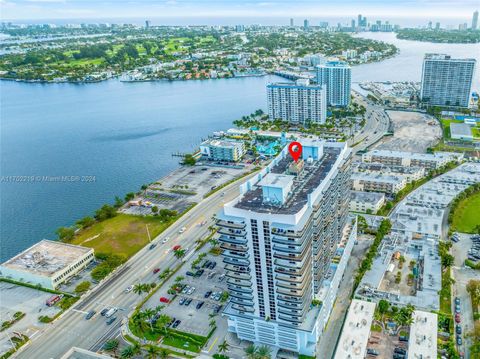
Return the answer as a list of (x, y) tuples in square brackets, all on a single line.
[(136, 53), (440, 35)]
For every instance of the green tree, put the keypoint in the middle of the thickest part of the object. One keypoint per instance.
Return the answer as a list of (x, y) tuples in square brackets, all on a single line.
[(85, 222), (189, 160), (127, 352), (152, 351), (105, 212), (251, 351), (383, 306), (111, 346), (223, 347), (65, 234), (129, 196), (82, 287), (264, 352), (179, 253)]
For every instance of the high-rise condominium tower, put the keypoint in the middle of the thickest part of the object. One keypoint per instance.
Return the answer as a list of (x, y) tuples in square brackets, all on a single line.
[(446, 81), (278, 239), (337, 77)]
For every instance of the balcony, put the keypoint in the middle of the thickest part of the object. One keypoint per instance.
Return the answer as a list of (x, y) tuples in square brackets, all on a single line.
[(241, 296), (244, 290), (233, 247), (292, 312), (238, 255), (290, 285), (287, 241), (298, 272), (242, 309), (237, 274), (292, 320), (236, 225), (236, 262), (242, 283), (232, 232), (232, 239), (290, 305)]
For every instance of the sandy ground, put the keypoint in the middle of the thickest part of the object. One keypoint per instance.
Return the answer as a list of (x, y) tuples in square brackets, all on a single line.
[(413, 132)]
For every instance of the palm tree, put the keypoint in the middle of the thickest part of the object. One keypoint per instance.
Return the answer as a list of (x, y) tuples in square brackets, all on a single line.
[(162, 322), (149, 314), (163, 353), (212, 323), (179, 279), (127, 352), (222, 348), (179, 253), (251, 351), (111, 346), (263, 352), (137, 349), (159, 308), (165, 273), (138, 288), (152, 351)]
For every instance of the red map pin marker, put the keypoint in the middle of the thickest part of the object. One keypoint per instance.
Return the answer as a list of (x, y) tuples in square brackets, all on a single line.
[(295, 149)]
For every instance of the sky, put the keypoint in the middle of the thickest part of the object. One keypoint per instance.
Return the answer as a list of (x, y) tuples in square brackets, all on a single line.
[(184, 9)]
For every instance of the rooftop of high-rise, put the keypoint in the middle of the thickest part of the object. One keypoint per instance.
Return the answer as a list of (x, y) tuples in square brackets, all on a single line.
[(293, 191)]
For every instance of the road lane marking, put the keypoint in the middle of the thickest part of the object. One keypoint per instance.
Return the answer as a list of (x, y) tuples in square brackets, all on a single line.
[(211, 346), (79, 311)]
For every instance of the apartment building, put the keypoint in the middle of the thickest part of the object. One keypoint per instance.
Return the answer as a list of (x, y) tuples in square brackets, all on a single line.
[(366, 202), (429, 161), (297, 102), (378, 183), (447, 81), (337, 77), (410, 173), (278, 239), (223, 150)]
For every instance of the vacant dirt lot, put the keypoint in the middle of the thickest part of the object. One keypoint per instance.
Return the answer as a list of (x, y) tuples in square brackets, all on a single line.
[(413, 132)]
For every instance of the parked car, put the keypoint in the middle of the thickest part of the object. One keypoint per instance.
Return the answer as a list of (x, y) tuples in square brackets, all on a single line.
[(182, 300), (371, 351), (207, 294), (172, 321), (185, 289), (191, 274), (403, 338), (458, 329), (188, 301), (103, 312), (111, 320), (457, 308), (458, 319), (156, 270), (176, 323), (90, 314), (191, 290), (199, 273), (177, 247), (398, 356), (221, 278), (129, 289), (400, 351), (459, 340), (164, 300), (200, 304)]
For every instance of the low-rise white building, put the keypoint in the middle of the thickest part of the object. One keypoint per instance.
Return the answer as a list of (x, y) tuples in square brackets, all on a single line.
[(223, 150), (356, 331), (47, 263), (428, 160), (422, 342), (377, 183), (461, 131), (366, 202), (410, 173)]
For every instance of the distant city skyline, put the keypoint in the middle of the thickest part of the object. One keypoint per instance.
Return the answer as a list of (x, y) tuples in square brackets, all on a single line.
[(436, 10)]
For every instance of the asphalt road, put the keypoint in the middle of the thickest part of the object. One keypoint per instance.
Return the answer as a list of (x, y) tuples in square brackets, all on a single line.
[(73, 330), (376, 125)]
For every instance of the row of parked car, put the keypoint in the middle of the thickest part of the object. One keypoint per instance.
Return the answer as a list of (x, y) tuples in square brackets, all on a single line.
[(398, 352), (474, 252), (458, 320)]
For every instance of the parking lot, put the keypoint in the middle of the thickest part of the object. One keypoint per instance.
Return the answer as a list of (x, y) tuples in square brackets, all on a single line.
[(461, 275), (185, 306), (385, 345), (15, 298), (182, 187)]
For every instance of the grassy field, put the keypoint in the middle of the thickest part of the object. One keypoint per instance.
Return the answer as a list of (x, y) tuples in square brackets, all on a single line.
[(123, 234), (467, 216), (446, 126)]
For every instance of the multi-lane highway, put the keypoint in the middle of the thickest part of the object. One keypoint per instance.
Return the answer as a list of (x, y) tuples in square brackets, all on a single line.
[(73, 330), (376, 125)]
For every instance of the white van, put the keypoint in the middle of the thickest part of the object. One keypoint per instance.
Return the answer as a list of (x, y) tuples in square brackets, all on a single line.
[(111, 312)]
